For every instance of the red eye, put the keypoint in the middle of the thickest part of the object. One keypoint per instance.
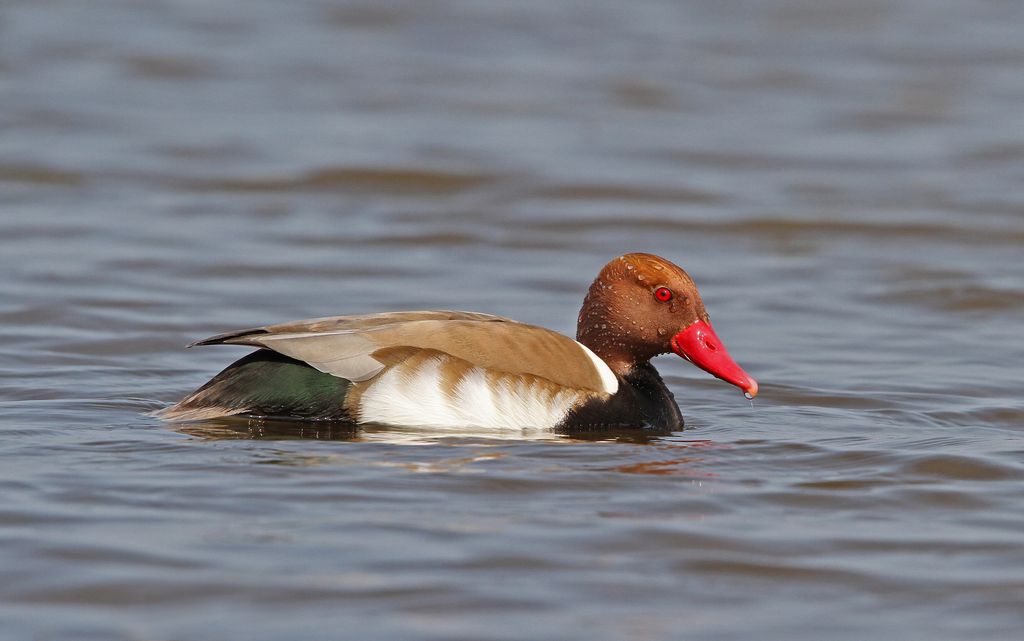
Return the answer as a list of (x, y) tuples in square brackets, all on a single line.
[(664, 294)]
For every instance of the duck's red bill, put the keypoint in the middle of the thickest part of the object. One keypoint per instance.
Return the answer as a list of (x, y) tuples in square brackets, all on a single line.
[(699, 344)]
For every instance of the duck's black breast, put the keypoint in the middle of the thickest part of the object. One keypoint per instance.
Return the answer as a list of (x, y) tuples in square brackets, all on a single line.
[(642, 400)]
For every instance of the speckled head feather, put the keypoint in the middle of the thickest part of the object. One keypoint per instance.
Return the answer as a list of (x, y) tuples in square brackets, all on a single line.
[(625, 322)]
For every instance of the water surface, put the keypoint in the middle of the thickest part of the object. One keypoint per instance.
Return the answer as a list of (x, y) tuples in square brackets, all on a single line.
[(843, 182)]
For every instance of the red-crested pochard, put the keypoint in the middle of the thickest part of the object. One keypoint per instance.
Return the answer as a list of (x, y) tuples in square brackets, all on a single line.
[(468, 370)]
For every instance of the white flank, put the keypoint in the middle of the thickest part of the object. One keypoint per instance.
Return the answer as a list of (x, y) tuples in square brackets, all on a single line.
[(611, 384), (414, 398)]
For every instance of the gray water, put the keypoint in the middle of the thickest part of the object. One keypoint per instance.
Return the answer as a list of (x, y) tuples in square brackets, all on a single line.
[(845, 182)]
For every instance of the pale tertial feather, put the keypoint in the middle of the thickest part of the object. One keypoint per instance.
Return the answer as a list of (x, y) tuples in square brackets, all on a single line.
[(344, 353), (609, 381)]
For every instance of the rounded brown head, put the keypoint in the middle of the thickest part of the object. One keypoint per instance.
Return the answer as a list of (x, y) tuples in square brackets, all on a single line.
[(642, 305)]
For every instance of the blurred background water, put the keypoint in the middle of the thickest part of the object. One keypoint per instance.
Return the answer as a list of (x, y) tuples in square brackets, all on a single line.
[(844, 180)]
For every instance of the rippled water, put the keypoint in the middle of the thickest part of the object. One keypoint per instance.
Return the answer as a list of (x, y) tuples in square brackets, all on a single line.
[(845, 181)]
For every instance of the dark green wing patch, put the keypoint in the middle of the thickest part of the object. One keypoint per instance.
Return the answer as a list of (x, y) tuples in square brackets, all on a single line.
[(266, 384)]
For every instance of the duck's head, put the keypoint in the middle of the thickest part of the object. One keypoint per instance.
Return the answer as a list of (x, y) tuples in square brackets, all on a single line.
[(642, 305)]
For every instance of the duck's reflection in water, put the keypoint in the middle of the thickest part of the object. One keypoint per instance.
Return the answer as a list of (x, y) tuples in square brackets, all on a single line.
[(462, 450), (269, 429), (285, 429)]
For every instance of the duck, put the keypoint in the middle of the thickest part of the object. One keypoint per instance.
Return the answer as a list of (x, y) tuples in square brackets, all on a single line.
[(470, 370)]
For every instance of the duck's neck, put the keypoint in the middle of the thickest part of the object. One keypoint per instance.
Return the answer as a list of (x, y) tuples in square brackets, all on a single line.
[(618, 358), (600, 327)]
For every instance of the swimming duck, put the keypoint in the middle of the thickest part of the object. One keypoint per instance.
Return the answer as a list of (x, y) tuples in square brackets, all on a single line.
[(449, 369)]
